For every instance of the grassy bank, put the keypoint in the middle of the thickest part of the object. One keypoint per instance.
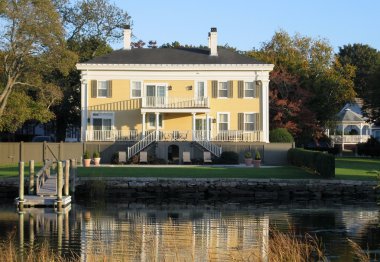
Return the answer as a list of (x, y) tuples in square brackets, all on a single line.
[(195, 172), (346, 169)]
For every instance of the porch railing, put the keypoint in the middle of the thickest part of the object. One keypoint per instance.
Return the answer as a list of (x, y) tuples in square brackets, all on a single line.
[(237, 136), (354, 139), (175, 102), (177, 135), (112, 135)]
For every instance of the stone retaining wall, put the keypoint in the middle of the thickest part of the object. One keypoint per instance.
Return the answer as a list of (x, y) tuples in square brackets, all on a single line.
[(255, 189)]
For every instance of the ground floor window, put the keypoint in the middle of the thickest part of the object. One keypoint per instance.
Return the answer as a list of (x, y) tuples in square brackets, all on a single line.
[(249, 122), (152, 120), (223, 121)]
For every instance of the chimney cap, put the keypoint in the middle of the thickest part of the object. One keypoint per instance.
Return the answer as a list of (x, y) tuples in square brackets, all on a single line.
[(213, 29), (127, 26)]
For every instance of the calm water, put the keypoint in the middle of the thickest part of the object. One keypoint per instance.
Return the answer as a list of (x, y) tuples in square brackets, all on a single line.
[(187, 232)]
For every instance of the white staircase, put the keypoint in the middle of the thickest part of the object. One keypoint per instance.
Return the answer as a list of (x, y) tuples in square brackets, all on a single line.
[(143, 143), (206, 144)]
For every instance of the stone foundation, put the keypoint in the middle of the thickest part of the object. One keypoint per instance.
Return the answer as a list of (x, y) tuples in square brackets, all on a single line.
[(255, 189)]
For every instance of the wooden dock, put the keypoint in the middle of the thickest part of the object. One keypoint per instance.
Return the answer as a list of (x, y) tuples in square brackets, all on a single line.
[(45, 189)]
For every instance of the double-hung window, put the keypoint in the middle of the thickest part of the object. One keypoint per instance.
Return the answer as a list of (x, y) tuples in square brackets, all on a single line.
[(102, 88), (223, 122), (249, 90), (249, 122), (136, 89), (222, 90)]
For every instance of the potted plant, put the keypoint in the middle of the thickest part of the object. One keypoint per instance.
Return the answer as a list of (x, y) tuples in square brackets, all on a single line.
[(86, 159), (248, 158), (96, 157), (257, 161)]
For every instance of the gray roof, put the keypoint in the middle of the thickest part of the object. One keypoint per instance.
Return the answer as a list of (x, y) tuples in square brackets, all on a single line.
[(172, 56), (349, 116)]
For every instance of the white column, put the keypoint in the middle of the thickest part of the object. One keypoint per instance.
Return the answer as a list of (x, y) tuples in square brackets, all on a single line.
[(361, 132), (143, 124), (342, 136), (157, 124), (207, 127), (84, 108), (264, 109), (193, 124)]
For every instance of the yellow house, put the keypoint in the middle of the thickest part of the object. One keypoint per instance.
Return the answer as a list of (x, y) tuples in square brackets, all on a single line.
[(190, 95)]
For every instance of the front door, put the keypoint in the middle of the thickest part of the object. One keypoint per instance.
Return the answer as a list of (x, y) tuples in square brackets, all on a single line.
[(201, 128), (102, 126)]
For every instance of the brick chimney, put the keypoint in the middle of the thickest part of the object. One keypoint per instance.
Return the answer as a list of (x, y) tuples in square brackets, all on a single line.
[(213, 42), (127, 37)]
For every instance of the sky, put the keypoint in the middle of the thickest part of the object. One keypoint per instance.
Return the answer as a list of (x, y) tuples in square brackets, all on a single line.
[(246, 24)]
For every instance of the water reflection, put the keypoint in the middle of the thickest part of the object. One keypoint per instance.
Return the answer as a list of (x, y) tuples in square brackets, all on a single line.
[(174, 232)]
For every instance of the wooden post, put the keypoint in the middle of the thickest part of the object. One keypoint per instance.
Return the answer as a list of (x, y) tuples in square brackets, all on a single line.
[(60, 151), (21, 235), (21, 185), (59, 232), (44, 151), (31, 177), (67, 176), (73, 170), (47, 170), (59, 186), (21, 156)]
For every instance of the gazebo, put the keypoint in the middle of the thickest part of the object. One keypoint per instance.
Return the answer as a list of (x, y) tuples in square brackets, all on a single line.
[(351, 126)]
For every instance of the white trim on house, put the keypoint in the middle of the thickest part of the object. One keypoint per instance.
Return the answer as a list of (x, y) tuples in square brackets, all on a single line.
[(150, 127), (180, 67), (103, 115), (175, 110)]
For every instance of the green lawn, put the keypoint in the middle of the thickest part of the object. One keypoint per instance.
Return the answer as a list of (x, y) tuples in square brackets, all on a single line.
[(11, 170), (346, 169), (356, 168), (195, 172)]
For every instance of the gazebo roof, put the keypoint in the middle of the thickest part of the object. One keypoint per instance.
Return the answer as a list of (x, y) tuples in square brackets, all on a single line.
[(348, 115)]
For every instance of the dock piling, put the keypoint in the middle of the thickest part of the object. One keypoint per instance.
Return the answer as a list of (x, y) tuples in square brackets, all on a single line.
[(67, 177), (31, 177), (21, 185), (59, 186)]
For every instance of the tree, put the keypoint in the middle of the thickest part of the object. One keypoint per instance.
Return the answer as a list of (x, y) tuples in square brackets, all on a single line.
[(319, 83), (364, 58), (89, 25), (32, 46)]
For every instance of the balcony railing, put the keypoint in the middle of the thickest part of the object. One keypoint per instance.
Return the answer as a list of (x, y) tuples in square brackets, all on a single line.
[(175, 102), (349, 139), (112, 135), (175, 135)]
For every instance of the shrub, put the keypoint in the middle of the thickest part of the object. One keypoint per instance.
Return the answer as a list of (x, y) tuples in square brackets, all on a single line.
[(96, 154), (86, 155), (280, 135), (248, 154), (257, 155), (229, 158), (321, 163), (370, 148)]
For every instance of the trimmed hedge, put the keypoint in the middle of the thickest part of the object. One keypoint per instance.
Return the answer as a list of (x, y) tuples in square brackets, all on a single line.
[(370, 148), (321, 163), (280, 135)]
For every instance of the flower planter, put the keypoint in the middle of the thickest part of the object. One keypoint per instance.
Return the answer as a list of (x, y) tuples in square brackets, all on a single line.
[(257, 163), (96, 161), (248, 161), (86, 162)]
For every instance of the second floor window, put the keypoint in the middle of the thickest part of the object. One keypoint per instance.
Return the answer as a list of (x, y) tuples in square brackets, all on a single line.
[(136, 89), (101, 88), (249, 90), (223, 89)]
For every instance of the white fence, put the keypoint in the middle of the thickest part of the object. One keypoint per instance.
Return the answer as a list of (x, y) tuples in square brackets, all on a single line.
[(175, 102)]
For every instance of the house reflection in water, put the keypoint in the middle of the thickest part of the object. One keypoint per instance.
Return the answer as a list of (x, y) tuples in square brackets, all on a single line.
[(172, 236)]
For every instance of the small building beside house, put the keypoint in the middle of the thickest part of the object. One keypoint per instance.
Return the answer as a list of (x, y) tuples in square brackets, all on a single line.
[(352, 127), (175, 98)]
